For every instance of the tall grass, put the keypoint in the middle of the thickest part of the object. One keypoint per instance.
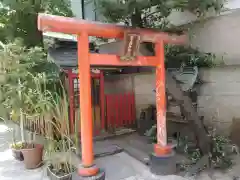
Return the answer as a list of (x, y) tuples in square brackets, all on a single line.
[(35, 96), (60, 126)]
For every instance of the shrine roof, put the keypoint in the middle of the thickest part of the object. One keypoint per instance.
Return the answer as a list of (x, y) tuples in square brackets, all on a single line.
[(65, 54)]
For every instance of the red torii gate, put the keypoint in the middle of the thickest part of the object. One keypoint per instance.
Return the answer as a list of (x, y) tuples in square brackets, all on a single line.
[(84, 29)]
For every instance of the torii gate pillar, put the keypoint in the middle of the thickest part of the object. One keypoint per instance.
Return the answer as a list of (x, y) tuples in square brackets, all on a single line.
[(162, 151)]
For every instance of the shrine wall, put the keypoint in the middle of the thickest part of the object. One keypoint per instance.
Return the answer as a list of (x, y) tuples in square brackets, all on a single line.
[(141, 84), (218, 100)]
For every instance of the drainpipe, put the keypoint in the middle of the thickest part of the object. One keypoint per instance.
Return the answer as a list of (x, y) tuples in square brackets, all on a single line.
[(83, 9)]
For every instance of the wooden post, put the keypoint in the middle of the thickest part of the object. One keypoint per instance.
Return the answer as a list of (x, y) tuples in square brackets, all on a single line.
[(161, 146), (88, 168), (71, 100), (102, 101)]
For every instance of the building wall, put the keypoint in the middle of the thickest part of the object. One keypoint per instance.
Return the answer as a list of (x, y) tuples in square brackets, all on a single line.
[(117, 84), (89, 9), (219, 35), (218, 101), (76, 7), (144, 84)]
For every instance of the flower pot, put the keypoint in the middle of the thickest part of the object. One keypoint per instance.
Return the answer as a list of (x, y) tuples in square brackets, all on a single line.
[(53, 176), (17, 154), (33, 156)]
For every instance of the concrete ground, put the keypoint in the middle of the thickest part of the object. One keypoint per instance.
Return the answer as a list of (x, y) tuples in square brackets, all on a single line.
[(10, 169), (118, 167)]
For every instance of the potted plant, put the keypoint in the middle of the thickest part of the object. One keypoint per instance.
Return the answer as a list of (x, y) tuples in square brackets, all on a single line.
[(32, 151), (16, 148), (60, 162), (32, 154), (27, 150), (26, 72), (16, 151), (60, 171), (37, 104), (59, 146)]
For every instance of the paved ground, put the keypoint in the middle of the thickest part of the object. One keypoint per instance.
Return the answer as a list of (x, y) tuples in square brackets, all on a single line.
[(11, 169), (118, 167)]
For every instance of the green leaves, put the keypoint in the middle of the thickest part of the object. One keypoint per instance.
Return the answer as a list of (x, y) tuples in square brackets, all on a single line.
[(154, 12), (60, 7), (26, 83), (18, 18), (177, 55)]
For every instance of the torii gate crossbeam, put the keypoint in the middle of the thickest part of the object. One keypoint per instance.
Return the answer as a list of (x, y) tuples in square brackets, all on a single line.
[(83, 29)]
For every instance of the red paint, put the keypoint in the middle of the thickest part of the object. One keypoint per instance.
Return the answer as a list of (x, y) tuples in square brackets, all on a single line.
[(160, 96), (119, 110), (75, 26), (107, 109), (97, 76), (133, 108), (75, 75), (71, 100), (108, 102), (106, 59), (85, 100), (112, 113), (125, 101), (102, 101), (129, 105)]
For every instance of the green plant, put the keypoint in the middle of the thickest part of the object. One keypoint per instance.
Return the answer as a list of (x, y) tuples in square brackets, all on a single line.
[(151, 133), (36, 99), (18, 145), (219, 155), (25, 76), (20, 66), (59, 137), (19, 18), (179, 55), (62, 165), (154, 14), (27, 87)]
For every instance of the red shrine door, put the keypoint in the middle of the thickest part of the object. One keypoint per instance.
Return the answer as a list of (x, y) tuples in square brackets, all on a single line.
[(98, 104)]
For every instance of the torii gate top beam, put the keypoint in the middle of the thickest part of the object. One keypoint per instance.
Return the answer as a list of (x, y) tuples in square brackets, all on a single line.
[(75, 26)]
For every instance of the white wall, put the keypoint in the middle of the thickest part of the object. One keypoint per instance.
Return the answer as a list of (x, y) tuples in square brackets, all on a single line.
[(232, 4), (76, 6), (219, 35), (219, 99), (89, 11)]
